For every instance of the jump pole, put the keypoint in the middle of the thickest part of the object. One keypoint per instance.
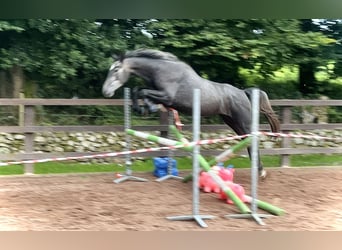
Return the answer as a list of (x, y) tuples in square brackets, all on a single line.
[(206, 167), (254, 168), (204, 164), (128, 162), (227, 155), (196, 118), (221, 157), (170, 155), (266, 206)]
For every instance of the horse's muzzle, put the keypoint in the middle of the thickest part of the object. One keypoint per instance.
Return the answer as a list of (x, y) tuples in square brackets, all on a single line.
[(107, 94)]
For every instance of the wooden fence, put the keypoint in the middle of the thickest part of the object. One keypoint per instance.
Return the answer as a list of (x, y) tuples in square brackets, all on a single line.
[(29, 129)]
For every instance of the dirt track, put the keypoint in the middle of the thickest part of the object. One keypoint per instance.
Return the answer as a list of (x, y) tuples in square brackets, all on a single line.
[(312, 198)]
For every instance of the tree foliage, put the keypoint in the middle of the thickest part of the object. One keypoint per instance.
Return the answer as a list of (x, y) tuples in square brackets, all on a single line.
[(217, 48), (59, 54), (66, 58)]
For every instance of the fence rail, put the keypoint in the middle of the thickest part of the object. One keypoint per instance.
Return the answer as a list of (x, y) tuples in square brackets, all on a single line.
[(29, 129)]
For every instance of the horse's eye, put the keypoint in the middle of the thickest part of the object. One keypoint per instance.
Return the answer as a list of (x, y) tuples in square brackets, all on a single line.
[(111, 67)]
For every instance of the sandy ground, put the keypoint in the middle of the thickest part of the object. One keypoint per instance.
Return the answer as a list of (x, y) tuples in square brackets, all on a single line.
[(312, 198)]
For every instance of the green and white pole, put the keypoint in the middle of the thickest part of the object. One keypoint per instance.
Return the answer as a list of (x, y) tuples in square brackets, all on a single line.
[(179, 135), (266, 206), (207, 167), (203, 163), (221, 157), (157, 139), (226, 155)]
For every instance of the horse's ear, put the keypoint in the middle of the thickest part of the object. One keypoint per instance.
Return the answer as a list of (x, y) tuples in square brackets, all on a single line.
[(118, 56), (115, 57), (121, 56)]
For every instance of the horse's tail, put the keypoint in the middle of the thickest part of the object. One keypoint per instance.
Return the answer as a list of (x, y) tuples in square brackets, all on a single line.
[(266, 109)]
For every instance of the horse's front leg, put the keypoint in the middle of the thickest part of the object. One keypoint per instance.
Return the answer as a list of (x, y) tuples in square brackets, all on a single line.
[(136, 94), (153, 99)]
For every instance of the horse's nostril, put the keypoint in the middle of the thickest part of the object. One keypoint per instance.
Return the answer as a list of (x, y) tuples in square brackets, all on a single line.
[(108, 93), (105, 93)]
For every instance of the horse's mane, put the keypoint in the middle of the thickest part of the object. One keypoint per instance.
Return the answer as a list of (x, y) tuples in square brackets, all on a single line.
[(151, 53)]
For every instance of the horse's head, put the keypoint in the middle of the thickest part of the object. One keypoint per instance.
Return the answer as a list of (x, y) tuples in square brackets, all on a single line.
[(116, 77)]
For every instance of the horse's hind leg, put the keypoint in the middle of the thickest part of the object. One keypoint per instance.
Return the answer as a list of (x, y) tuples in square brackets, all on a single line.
[(262, 171), (241, 126)]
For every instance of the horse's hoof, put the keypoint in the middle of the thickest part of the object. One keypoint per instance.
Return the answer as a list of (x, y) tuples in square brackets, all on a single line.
[(154, 108), (263, 174), (139, 111)]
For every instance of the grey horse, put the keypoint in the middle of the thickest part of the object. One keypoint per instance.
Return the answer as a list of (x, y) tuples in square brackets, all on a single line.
[(171, 81)]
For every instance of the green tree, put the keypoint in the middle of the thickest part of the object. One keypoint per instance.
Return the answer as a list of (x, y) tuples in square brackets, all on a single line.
[(332, 28), (217, 48), (210, 46), (62, 57), (310, 53)]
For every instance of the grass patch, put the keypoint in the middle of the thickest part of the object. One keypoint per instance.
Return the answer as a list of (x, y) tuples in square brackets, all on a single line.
[(183, 163), (63, 167), (315, 160), (11, 170)]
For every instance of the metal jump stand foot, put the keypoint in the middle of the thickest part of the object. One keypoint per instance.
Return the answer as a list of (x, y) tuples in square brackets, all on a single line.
[(256, 217), (198, 218), (128, 175), (169, 176), (127, 178)]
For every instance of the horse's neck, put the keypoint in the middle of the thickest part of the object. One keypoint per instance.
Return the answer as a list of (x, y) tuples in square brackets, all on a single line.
[(156, 72), (142, 68)]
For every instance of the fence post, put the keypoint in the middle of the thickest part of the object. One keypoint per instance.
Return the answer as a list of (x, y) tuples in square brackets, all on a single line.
[(286, 142), (21, 110), (29, 116), (164, 120)]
